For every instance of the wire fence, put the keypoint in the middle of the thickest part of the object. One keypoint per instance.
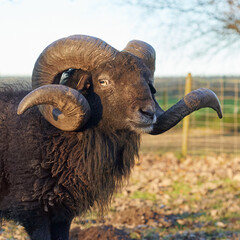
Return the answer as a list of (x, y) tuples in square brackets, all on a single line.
[(207, 133)]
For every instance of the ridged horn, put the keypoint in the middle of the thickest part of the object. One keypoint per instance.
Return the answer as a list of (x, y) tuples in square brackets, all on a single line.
[(68, 107), (77, 52), (144, 51), (195, 100)]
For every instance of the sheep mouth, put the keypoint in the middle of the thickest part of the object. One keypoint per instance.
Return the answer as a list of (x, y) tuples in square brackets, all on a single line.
[(143, 127), (142, 124)]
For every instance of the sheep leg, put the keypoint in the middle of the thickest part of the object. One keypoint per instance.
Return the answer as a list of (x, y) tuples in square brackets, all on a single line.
[(60, 229), (38, 228)]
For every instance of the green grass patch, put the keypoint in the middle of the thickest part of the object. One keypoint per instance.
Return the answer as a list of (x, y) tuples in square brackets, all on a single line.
[(179, 189), (144, 196)]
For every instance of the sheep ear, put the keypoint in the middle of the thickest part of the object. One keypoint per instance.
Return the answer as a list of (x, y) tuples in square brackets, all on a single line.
[(77, 79), (85, 83)]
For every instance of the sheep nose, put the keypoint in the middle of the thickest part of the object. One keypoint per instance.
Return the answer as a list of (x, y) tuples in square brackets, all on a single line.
[(148, 111)]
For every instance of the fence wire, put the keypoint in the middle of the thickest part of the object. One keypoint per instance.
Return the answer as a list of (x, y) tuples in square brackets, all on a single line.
[(207, 133)]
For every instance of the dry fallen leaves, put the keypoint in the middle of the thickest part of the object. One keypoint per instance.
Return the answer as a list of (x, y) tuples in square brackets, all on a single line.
[(196, 198)]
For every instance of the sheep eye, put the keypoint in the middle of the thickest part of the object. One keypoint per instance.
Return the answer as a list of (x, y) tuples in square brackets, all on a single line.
[(104, 82)]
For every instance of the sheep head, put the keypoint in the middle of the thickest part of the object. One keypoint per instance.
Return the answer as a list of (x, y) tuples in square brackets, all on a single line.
[(119, 95), (110, 88)]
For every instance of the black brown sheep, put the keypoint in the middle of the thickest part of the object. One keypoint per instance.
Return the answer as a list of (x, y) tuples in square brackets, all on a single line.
[(76, 151)]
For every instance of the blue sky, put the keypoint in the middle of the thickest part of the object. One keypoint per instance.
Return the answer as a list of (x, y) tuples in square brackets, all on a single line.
[(28, 26)]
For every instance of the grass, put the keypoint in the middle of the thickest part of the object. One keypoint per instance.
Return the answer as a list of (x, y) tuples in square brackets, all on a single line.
[(179, 189), (144, 196)]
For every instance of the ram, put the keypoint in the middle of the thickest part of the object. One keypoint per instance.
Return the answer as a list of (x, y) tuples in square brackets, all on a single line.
[(77, 142)]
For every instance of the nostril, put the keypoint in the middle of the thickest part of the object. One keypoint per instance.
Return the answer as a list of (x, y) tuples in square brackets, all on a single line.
[(147, 112)]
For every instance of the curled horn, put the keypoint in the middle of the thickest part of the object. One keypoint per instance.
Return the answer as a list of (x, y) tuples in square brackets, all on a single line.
[(195, 100), (144, 51), (78, 52), (68, 107)]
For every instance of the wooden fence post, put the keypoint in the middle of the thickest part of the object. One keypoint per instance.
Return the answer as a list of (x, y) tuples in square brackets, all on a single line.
[(188, 87), (235, 114), (165, 100)]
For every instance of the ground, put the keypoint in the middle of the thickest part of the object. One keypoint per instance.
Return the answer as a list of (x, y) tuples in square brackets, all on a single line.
[(166, 198)]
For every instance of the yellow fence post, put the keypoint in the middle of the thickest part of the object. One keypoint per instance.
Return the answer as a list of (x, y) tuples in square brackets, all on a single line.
[(165, 100), (186, 120)]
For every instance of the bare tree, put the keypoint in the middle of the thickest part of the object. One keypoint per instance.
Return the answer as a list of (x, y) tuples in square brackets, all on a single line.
[(216, 23)]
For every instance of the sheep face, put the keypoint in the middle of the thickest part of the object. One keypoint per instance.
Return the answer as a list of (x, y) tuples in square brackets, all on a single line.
[(120, 96)]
